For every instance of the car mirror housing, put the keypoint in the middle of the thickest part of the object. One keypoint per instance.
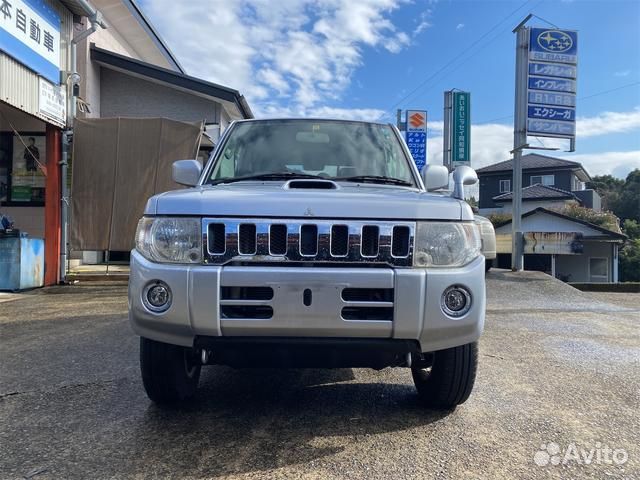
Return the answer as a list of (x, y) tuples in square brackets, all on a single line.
[(435, 177), (463, 176), (186, 172)]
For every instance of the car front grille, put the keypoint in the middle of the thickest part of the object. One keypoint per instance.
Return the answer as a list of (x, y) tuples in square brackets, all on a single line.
[(324, 241)]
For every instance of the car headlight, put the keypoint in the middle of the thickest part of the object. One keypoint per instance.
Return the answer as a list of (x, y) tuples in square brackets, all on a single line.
[(439, 244), (169, 240)]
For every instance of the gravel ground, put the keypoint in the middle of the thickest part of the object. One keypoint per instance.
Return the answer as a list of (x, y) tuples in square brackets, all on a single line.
[(558, 368)]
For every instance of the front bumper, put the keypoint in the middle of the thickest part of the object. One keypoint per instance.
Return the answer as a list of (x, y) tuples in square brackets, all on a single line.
[(195, 310)]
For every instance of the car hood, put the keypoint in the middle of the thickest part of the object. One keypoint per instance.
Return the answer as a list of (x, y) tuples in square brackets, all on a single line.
[(273, 199)]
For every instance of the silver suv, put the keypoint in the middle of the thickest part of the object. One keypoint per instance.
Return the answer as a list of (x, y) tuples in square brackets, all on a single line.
[(309, 243)]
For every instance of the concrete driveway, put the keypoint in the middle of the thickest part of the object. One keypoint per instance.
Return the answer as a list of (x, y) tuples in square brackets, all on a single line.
[(557, 396)]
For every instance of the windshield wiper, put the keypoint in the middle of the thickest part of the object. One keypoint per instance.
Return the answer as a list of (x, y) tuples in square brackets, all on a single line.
[(374, 179), (265, 176)]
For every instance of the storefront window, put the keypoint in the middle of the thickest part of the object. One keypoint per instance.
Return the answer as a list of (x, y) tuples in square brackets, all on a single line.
[(22, 181)]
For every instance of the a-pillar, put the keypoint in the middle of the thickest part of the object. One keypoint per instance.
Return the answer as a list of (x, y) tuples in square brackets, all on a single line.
[(52, 207)]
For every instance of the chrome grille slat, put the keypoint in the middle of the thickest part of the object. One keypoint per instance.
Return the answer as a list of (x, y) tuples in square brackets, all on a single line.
[(260, 240)]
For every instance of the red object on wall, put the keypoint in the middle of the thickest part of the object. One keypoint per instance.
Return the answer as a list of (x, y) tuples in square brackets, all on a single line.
[(52, 207)]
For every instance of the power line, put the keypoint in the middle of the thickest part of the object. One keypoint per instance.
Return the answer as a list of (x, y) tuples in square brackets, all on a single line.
[(604, 92), (453, 60)]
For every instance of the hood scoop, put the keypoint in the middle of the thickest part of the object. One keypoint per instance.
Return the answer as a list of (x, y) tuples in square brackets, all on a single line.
[(310, 184)]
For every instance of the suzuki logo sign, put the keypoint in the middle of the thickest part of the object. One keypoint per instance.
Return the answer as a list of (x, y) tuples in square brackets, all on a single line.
[(417, 120)]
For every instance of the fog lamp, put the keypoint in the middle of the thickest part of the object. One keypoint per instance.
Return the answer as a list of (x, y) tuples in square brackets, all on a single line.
[(456, 301), (157, 296)]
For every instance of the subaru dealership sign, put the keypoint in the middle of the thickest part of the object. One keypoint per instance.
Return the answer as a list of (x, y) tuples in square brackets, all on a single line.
[(551, 84)]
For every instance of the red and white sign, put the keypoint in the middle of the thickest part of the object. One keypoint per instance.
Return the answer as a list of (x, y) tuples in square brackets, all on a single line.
[(416, 121)]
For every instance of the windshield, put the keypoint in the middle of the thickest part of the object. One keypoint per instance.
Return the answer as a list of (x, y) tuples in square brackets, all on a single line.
[(336, 150)]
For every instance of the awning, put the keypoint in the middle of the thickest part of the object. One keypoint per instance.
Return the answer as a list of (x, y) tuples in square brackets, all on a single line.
[(118, 163)]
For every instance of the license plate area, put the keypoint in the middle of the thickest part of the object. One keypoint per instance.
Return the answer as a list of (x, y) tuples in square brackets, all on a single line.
[(282, 301)]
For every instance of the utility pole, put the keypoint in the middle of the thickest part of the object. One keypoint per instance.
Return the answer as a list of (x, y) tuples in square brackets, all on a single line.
[(446, 139), (519, 143)]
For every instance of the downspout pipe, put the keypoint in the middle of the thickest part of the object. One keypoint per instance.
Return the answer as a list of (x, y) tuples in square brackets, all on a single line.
[(96, 20)]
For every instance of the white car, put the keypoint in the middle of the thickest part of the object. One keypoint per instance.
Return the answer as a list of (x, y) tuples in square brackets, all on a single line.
[(309, 243)]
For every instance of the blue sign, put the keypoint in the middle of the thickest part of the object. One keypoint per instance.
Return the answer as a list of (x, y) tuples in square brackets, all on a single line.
[(552, 98), (551, 113), (552, 70), (30, 33), (551, 128), (550, 45), (552, 84), (417, 143)]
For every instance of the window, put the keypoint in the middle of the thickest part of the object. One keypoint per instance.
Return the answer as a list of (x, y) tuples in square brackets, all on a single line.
[(548, 180), (598, 269), (505, 186), (325, 148), (577, 184), (21, 179)]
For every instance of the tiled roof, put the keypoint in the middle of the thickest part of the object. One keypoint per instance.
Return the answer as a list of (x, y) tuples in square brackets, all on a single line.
[(531, 161), (537, 192)]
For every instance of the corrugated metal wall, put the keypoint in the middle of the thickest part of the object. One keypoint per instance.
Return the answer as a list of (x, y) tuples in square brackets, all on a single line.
[(18, 84)]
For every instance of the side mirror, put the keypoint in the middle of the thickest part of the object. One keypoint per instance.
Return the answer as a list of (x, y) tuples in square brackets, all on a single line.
[(186, 172), (435, 177), (463, 175)]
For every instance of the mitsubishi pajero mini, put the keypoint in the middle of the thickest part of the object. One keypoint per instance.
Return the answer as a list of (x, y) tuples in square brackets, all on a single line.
[(309, 243)]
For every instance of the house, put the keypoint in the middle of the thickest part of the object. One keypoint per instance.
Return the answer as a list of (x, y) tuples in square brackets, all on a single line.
[(594, 260), (547, 182), (536, 196), (97, 59)]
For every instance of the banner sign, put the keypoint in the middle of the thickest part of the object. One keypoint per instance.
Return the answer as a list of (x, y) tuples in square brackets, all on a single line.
[(30, 33), (461, 131), (52, 101), (416, 136), (551, 83)]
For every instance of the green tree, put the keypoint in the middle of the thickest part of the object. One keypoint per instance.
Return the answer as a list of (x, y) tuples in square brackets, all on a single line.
[(628, 204), (608, 187), (630, 261), (631, 228)]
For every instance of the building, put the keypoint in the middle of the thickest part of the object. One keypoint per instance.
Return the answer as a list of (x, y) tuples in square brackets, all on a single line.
[(556, 181), (594, 260), (582, 252), (67, 59)]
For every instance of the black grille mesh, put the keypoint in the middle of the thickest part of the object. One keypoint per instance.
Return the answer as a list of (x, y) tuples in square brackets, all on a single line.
[(247, 239), (278, 239), (339, 240), (309, 240), (216, 238), (370, 237), (400, 241)]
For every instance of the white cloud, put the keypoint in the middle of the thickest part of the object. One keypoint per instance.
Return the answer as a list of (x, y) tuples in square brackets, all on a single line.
[(491, 143), (424, 22), (368, 114), (304, 52), (622, 73), (608, 122), (618, 164), (460, 26)]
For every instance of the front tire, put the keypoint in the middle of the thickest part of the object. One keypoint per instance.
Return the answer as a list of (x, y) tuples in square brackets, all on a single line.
[(448, 381), (170, 373)]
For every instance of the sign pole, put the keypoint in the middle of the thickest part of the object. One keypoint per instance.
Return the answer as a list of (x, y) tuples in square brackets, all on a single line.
[(446, 138), (519, 143)]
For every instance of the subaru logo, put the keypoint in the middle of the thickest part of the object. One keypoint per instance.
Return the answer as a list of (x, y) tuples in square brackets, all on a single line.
[(555, 41)]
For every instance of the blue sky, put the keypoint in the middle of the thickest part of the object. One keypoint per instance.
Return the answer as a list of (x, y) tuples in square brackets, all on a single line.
[(364, 59)]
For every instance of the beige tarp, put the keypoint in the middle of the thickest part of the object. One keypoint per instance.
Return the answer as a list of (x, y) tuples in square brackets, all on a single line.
[(118, 163)]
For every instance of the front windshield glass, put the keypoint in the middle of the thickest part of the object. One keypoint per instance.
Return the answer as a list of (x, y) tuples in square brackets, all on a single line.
[(323, 148)]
